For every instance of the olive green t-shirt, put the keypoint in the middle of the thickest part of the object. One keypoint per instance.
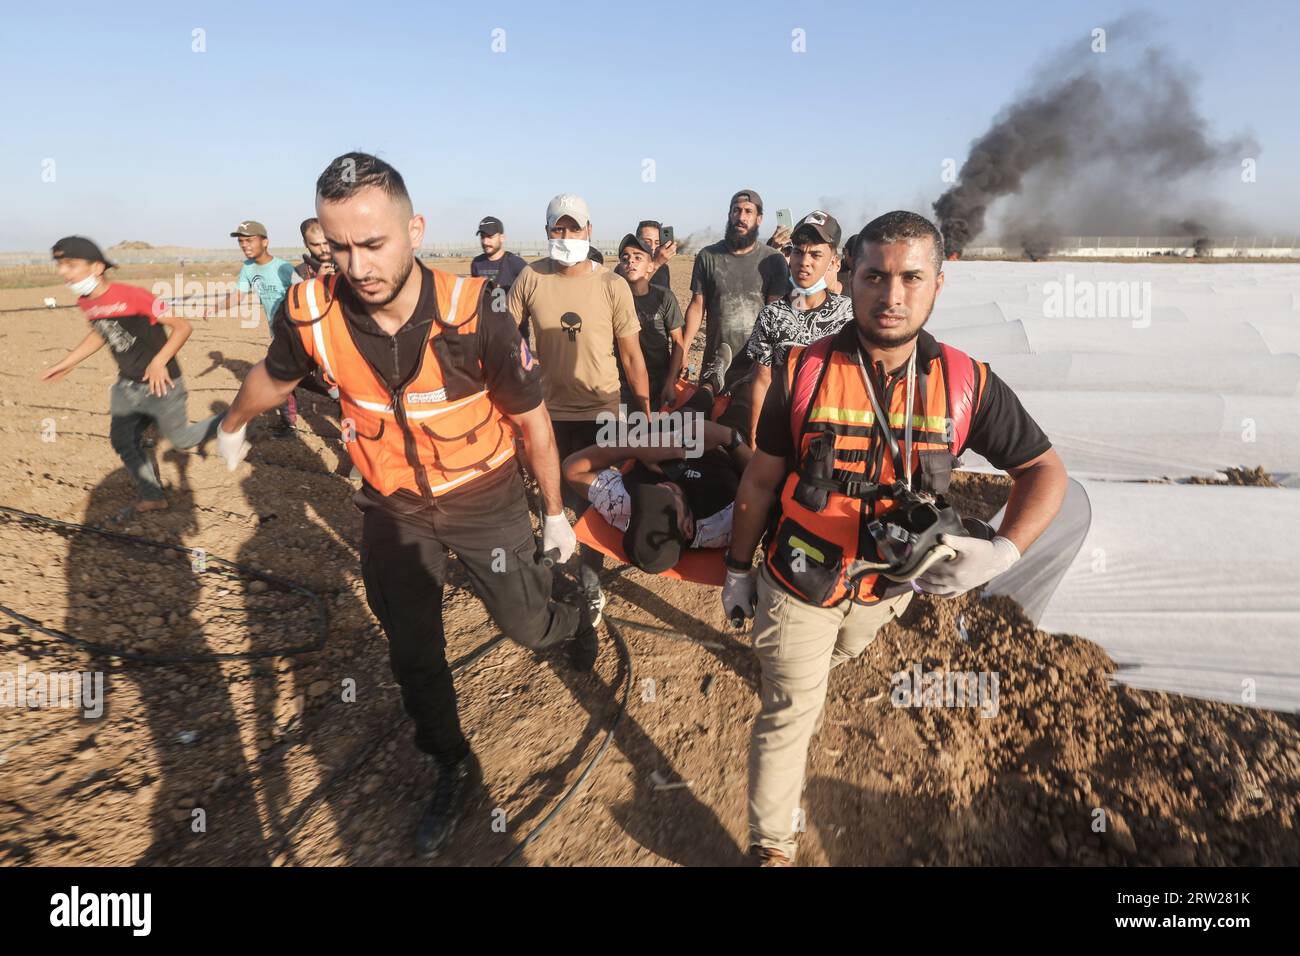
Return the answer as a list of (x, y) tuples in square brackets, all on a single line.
[(575, 320)]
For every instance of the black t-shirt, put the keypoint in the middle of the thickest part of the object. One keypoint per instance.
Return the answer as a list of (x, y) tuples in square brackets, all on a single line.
[(513, 379), (501, 271), (1001, 430), (658, 313), (709, 483), (125, 317)]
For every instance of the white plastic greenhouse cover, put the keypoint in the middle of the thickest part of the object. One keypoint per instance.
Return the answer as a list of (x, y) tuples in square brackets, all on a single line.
[(1191, 589), (1205, 376)]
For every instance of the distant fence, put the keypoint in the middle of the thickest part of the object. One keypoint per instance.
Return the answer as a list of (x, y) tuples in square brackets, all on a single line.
[(172, 255), (1208, 247)]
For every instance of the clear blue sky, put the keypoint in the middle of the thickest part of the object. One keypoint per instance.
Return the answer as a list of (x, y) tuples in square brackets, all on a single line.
[(154, 142)]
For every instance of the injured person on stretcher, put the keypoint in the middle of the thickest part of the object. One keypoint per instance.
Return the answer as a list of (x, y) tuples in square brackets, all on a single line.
[(662, 501)]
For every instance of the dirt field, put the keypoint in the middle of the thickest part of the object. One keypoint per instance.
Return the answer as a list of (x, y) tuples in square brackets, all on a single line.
[(287, 771)]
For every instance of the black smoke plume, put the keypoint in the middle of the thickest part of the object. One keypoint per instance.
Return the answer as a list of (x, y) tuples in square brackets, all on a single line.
[(1103, 144)]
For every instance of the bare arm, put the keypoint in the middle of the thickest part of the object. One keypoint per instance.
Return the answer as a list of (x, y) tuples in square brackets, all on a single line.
[(259, 393), (87, 347), (754, 501), (543, 458), (638, 379), (178, 330), (694, 318), (1037, 490), (758, 391), (160, 382), (582, 467), (675, 362)]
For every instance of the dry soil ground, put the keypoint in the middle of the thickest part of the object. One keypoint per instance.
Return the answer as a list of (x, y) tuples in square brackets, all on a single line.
[(285, 770)]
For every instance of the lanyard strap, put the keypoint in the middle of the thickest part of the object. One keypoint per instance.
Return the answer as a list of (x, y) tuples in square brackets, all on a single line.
[(903, 459)]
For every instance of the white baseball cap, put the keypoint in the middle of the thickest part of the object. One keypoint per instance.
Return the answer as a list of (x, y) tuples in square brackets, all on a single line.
[(567, 204)]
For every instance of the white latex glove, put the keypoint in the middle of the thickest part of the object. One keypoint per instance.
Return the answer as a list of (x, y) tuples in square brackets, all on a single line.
[(558, 535), (232, 446), (977, 562), (738, 595)]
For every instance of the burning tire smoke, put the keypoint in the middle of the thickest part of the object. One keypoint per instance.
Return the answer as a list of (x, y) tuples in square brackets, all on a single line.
[(1112, 144)]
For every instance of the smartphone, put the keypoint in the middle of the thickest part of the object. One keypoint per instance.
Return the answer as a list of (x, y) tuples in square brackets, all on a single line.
[(784, 219), (665, 235)]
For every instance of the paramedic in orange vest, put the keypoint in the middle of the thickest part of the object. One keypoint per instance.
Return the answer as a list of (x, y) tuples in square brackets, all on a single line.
[(822, 480), (431, 377)]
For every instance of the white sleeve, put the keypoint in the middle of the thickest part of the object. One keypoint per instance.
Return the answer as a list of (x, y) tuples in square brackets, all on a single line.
[(610, 498), (715, 530)]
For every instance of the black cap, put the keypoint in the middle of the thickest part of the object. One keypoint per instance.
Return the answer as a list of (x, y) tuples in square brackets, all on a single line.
[(653, 540), (79, 247), (631, 239), (748, 195), (490, 226), (817, 226)]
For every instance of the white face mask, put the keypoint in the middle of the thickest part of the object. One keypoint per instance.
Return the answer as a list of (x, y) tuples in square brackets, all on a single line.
[(568, 252), (813, 289), (85, 286)]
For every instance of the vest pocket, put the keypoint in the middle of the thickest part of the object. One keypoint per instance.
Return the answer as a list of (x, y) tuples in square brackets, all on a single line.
[(935, 469), (810, 563), (812, 491)]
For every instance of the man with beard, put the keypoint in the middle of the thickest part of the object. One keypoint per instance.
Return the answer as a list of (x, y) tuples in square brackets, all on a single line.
[(432, 379), (733, 279), (316, 261), (845, 435)]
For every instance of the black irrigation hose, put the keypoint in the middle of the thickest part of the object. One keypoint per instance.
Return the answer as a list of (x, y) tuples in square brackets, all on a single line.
[(305, 809), (309, 803), (625, 656), (210, 560)]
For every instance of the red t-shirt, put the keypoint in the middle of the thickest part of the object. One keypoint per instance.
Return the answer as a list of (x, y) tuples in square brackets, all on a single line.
[(127, 318)]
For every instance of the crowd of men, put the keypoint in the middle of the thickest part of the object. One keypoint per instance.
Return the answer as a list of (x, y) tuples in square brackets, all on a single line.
[(830, 420)]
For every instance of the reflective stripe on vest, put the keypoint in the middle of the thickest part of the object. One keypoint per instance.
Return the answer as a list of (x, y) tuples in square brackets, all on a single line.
[(392, 447), (821, 551)]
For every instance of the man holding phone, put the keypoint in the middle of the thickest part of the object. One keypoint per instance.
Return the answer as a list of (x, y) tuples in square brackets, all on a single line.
[(662, 245)]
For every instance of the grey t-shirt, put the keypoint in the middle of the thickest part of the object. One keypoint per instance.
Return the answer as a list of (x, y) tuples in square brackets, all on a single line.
[(659, 314), (735, 289)]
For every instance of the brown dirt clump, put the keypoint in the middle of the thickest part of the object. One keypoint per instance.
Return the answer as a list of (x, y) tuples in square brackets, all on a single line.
[(1255, 477)]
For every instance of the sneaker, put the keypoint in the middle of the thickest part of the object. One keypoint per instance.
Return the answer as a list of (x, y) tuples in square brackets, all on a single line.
[(283, 429), (592, 595), (595, 601), (584, 646), (768, 856), (451, 794)]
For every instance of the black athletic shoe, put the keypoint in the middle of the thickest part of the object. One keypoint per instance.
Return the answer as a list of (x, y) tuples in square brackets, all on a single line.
[(451, 795), (583, 646)]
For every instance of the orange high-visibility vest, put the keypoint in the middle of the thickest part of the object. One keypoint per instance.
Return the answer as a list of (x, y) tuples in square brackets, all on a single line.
[(844, 465), (442, 429)]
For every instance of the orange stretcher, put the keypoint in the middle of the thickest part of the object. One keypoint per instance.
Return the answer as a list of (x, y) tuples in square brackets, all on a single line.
[(697, 565)]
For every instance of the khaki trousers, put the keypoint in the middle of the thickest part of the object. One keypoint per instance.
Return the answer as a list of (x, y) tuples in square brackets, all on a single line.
[(797, 645)]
